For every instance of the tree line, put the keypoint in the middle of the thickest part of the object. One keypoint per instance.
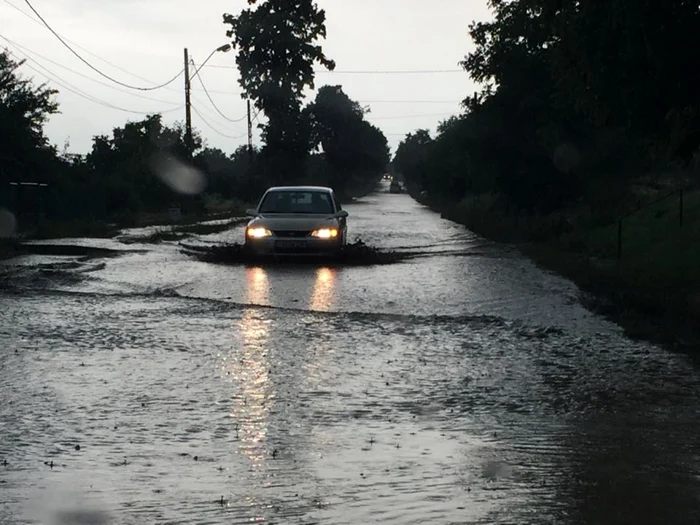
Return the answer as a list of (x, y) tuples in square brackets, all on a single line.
[(578, 101), (325, 141)]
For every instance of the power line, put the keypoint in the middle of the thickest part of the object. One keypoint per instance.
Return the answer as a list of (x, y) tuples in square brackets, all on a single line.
[(391, 72), (30, 52), (138, 88), (210, 115), (208, 91), (52, 77), (409, 116), (30, 17), (369, 71), (409, 101), (201, 81), (213, 128), (226, 92), (67, 86)]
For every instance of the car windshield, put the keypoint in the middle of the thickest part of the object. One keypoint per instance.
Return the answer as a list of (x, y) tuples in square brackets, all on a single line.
[(297, 202)]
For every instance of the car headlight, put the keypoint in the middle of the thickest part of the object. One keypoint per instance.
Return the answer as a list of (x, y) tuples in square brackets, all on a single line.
[(258, 233), (325, 233)]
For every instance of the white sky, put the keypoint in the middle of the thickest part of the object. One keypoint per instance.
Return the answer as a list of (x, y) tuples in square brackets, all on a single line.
[(145, 38)]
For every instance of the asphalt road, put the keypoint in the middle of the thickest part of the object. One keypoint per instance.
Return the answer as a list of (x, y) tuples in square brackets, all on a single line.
[(461, 386)]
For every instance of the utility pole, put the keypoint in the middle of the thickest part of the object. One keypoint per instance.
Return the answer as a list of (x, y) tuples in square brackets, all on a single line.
[(188, 110), (250, 135)]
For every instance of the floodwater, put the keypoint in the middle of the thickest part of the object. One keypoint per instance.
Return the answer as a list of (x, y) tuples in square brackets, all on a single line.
[(465, 386)]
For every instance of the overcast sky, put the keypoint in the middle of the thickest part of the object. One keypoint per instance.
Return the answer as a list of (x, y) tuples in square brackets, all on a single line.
[(140, 42)]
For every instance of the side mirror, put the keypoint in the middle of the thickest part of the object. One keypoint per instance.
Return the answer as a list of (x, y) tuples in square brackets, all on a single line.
[(251, 213), (342, 214)]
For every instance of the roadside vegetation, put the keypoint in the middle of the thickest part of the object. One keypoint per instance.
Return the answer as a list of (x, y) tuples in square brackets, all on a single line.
[(588, 113), (133, 175)]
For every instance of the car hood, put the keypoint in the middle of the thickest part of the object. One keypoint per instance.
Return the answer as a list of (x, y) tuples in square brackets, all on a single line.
[(281, 222)]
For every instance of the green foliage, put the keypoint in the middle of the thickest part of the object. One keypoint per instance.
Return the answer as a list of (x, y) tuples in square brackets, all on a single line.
[(138, 170), (277, 51), (124, 162), (25, 154), (578, 100), (411, 159), (585, 108), (355, 153), (230, 176)]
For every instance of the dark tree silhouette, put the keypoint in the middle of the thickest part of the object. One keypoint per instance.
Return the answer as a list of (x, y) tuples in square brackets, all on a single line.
[(277, 51)]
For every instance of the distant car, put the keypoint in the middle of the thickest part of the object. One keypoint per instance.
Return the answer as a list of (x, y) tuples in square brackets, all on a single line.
[(297, 220), (395, 187)]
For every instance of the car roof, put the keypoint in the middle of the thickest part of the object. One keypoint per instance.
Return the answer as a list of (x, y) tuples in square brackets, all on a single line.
[(302, 188)]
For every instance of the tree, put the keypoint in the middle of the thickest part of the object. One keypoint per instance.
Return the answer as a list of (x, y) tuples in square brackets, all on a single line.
[(635, 68), (411, 156), (355, 152), (331, 113), (576, 96), (24, 109), (277, 51), (125, 167), (230, 176), (601, 65)]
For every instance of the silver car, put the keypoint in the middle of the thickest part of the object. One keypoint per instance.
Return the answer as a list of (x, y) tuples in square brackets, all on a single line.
[(297, 220)]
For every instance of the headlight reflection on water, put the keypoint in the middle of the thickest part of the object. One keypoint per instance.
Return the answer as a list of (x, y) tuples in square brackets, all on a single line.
[(323, 294), (248, 369), (249, 372)]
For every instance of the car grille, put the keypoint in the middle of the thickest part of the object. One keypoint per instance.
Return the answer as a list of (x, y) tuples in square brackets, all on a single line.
[(291, 234)]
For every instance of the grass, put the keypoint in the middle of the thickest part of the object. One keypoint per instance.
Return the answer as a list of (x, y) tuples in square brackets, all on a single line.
[(652, 291), (654, 287), (9, 248), (482, 214), (107, 228), (46, 229), (208, 229)]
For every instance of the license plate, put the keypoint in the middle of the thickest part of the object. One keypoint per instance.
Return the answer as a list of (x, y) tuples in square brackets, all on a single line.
[(290, 245)]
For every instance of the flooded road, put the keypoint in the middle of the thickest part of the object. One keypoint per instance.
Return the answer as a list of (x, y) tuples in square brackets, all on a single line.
[(464, 386)]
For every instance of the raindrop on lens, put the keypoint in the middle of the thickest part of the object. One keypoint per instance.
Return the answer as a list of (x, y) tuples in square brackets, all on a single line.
[(8, 223)]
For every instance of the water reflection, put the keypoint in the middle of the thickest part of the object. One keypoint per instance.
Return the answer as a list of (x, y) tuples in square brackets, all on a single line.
[(323, 294), (258, 291), (249, 371)]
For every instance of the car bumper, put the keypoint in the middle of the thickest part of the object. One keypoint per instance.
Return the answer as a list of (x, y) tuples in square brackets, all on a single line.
[(289, 247)]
